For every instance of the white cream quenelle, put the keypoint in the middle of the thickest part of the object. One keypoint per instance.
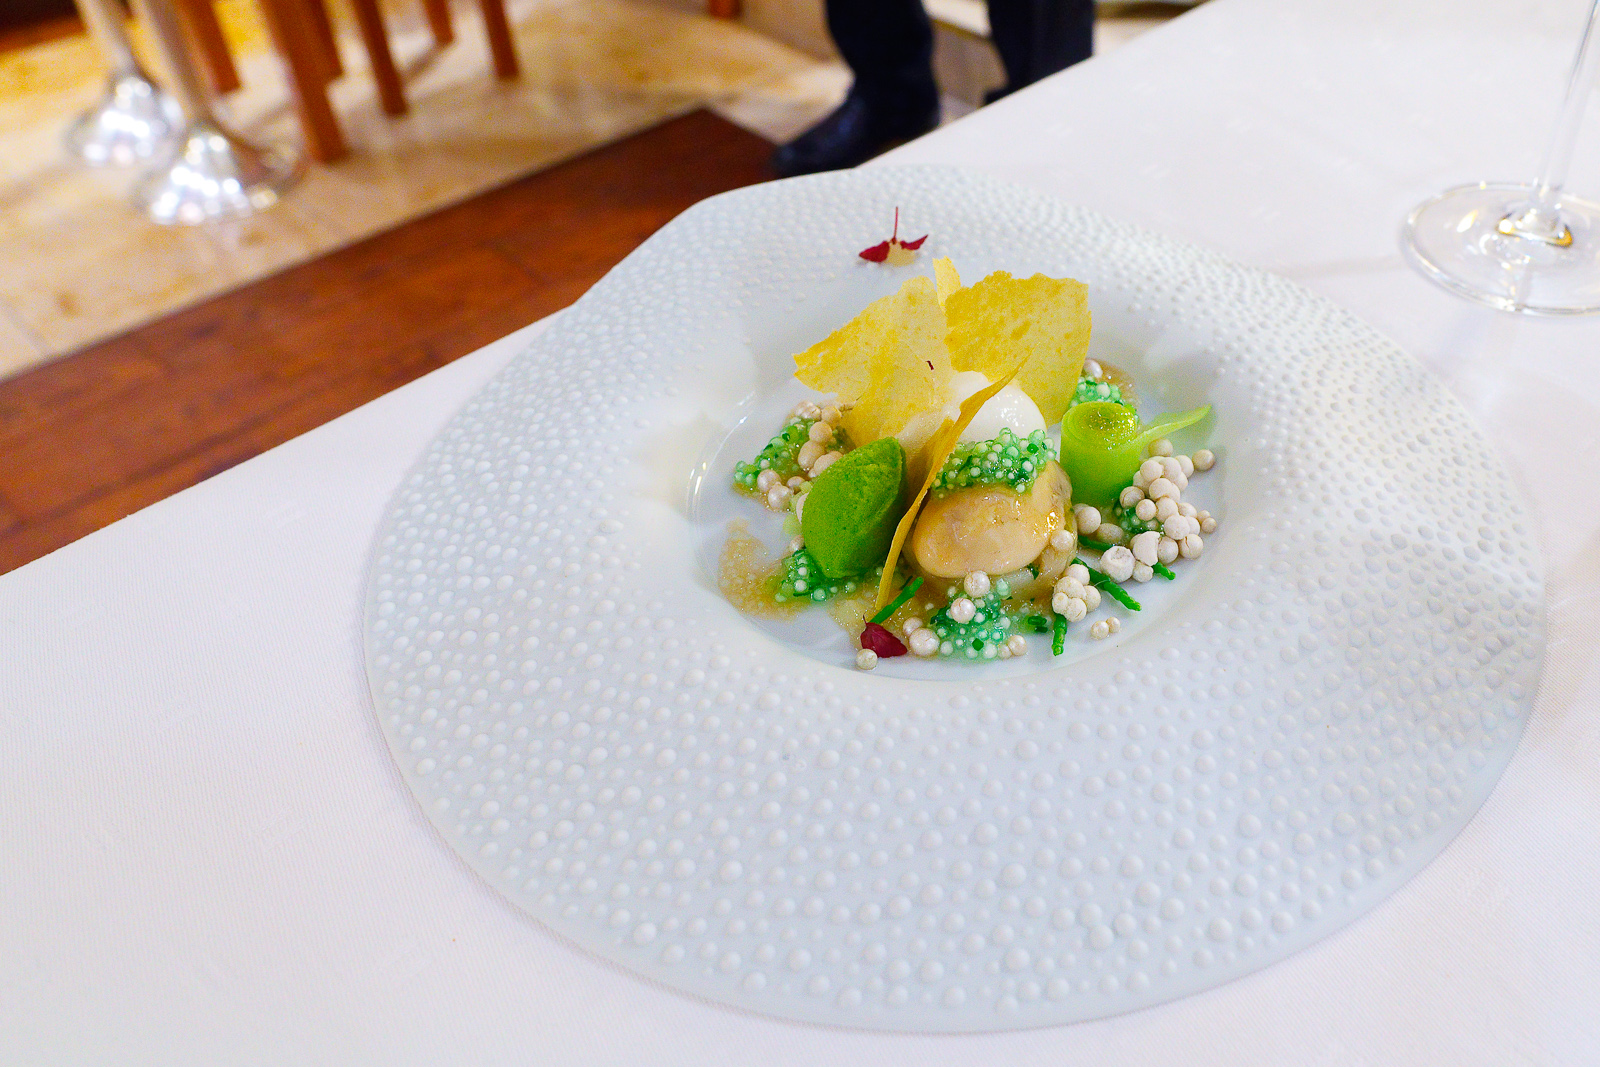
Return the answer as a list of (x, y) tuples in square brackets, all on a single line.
[(1009, 409)]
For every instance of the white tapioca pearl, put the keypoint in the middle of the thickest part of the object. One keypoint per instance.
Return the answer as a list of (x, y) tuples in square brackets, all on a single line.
[(778, 497), (1145, 509), (976, 584), (1091, 598), (1177, 527), (1166, 550), (1005, 653), (963, 610), (1186, 508), (1110, 533), (1186, 465), (1161, 488), (1061, 540), (1152, 469), (810, 452), (824, 461), (1143, 572), (1113, 624), (1207, 524), (1162, 447), (1144, 546), (1131, 496), (1192, 546), (1204, 459), (821, 432), (1088, 517), (1070, 586), (1118, 563), (830, 414), (800, 506), (866, 659), (766, 480), (1071, 607), (1078, 573), (799, 542), (1017, 645), (1100, 630), (1092, 369), (1166, 507), (924, 642), (806, 410), (911, 626), (1170, 468), (1140, 482)]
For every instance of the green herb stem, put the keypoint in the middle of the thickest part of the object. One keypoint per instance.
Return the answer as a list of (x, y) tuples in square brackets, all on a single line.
[(1059, 641), (1163, 570), (908, 591), (1105, 583)]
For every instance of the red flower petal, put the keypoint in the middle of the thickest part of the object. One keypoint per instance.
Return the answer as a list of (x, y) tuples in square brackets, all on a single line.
[(914, 245), (877, 253), (881, 641)]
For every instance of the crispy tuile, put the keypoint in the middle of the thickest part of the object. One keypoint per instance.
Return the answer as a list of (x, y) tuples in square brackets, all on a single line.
[(1039, 323), (946, 280), (889, 362)]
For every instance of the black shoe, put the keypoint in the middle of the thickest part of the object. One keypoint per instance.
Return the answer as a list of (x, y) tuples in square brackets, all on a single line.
[(998, 93), (854, 133)]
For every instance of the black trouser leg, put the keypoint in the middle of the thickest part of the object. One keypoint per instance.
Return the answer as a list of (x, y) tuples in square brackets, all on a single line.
[(889, 47), (1036, 38)]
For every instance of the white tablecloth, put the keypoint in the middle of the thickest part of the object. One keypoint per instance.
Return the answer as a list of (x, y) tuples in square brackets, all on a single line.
[(207, 856)]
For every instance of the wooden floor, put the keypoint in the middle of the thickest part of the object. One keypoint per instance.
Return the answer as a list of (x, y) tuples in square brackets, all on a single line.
[(94, 436)]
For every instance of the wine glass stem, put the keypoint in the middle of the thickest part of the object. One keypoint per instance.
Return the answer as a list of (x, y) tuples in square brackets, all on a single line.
[(105, 22), (183, 80), (1541, 218)]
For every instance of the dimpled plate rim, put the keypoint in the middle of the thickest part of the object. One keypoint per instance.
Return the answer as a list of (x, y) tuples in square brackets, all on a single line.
[(623, 756)]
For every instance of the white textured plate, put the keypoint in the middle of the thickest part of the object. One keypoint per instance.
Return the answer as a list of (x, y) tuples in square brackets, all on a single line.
[(1273, 746)]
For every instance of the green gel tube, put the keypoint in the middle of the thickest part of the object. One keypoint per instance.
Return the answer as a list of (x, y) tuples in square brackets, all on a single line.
[(1102, 445)]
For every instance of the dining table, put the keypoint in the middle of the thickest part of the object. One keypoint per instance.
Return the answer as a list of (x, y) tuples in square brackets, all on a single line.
[(209, 856)]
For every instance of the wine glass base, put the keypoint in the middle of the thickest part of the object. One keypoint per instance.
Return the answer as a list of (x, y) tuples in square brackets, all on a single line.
[(134, 122), (216, 174), (1457, 240)]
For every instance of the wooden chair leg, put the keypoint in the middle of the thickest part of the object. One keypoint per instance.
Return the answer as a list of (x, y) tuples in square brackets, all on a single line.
[(200, 26), (439, 21), (327, 40), (499, 29), (370, 19), (290, 25)]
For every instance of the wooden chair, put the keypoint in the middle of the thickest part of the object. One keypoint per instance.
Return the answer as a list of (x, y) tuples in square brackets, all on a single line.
[(304, 36), (199, 21)]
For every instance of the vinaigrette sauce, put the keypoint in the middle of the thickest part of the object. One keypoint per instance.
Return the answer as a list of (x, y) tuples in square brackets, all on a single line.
[(747, 576)]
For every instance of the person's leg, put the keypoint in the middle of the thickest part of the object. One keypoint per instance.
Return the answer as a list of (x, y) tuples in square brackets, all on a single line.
[(888, 45), (1036, 38)]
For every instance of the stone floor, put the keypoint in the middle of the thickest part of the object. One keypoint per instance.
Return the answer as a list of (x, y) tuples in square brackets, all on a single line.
[(80, 265)]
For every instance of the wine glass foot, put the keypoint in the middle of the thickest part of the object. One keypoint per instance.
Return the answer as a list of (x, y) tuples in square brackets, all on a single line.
[(1490, 244), (216, 174), (134, 122)]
